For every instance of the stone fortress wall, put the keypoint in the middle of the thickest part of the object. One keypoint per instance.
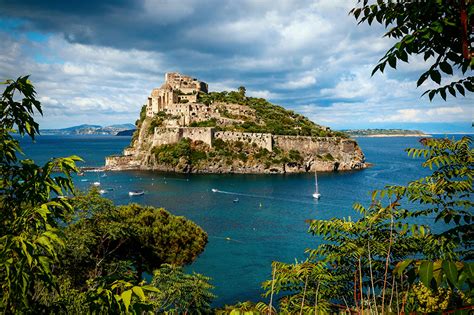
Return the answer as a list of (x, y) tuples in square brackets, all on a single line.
[(318, 145), (262, 140)]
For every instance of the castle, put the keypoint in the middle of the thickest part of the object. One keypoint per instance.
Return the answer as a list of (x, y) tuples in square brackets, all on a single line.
[(178, 99), (175, 95), (177, 108)]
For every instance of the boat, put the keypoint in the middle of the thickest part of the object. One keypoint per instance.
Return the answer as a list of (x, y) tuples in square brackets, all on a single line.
[(316, 194), (96, 183), (102, 191), (236, 200), (80, 174), (136, 193), (104, 175), (214, 190), (84, 180)]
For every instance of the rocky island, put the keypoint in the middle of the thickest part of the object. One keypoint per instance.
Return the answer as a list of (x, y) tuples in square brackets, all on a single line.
[(184, 128)]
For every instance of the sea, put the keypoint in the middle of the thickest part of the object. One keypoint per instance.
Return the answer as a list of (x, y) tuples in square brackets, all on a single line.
[(251, 220)]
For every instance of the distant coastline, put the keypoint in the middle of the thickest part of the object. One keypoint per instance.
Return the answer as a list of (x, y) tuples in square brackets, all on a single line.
[(378, 133), (113, 130), (392, 135)]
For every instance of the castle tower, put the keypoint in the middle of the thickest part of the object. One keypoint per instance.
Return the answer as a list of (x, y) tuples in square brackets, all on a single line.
[(177, 88)]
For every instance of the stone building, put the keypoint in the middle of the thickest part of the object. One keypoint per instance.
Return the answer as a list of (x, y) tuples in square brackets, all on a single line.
[(177, 90)]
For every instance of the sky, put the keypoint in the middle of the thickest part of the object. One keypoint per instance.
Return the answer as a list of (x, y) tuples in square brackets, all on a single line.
[(96, 62)]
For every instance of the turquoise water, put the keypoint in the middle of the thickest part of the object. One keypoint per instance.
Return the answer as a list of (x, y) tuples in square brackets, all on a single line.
[(268, 222)]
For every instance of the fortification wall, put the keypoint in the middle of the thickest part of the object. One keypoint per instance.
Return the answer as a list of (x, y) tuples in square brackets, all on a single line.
[(319, 145), (173, 135), (263, 140), (204, 134), (166, 136)]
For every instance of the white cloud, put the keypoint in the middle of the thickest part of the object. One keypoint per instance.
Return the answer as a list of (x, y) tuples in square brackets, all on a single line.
[(438, 114), (262, 94)]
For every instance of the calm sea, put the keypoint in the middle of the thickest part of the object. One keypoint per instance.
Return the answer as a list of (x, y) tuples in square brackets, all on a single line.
[(268, 221)]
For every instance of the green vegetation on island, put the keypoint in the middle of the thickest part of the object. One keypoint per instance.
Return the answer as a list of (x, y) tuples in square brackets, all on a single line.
[(187, 153), (268, 118)]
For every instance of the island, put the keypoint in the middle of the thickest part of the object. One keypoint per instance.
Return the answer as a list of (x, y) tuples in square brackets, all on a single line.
[(85, 129), (385, 133), (184, 128)]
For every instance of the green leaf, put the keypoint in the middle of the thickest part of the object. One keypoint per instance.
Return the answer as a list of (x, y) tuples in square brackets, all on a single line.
[(422, 79), (139, 292), (451, 272), (392, 61), (460, 89), (435, 76), (126, 297), (442, 92), (431, 94), (401, 266), (452, 91), (426, 272), (468, 85), (446, 67)]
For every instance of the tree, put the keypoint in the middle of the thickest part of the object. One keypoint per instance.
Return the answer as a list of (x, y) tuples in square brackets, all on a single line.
[(181, 293), (242, 91), (40, 257), (108, 242), (31, 204), (438, 30)]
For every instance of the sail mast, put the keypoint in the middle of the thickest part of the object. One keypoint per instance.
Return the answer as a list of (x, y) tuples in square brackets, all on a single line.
[(316, 181)]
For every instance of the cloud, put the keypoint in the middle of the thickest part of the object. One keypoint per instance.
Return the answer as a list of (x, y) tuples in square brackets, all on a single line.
[(97, 61), (262, 94), (444, 114)]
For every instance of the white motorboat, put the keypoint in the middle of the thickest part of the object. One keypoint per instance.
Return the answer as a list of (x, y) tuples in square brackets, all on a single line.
[(136, 193), (214, 190)]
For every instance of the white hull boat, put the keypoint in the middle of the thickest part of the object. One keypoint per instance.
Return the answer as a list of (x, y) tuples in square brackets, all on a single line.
[(136, 193)]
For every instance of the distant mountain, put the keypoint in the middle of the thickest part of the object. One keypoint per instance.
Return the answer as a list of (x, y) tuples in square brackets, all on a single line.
[(89, 130)]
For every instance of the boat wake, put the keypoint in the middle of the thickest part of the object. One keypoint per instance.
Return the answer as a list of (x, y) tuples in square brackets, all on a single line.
[(262, 196)]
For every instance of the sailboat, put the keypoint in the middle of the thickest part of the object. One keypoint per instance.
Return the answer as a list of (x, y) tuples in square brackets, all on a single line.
[(316, 194)]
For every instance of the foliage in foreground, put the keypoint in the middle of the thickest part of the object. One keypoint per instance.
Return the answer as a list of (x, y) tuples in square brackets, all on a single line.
[(83, 255), (30, 203), (411, 249), (437, 30)]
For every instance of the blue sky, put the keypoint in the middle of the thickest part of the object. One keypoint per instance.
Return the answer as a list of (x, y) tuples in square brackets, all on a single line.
[(96, 61)]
